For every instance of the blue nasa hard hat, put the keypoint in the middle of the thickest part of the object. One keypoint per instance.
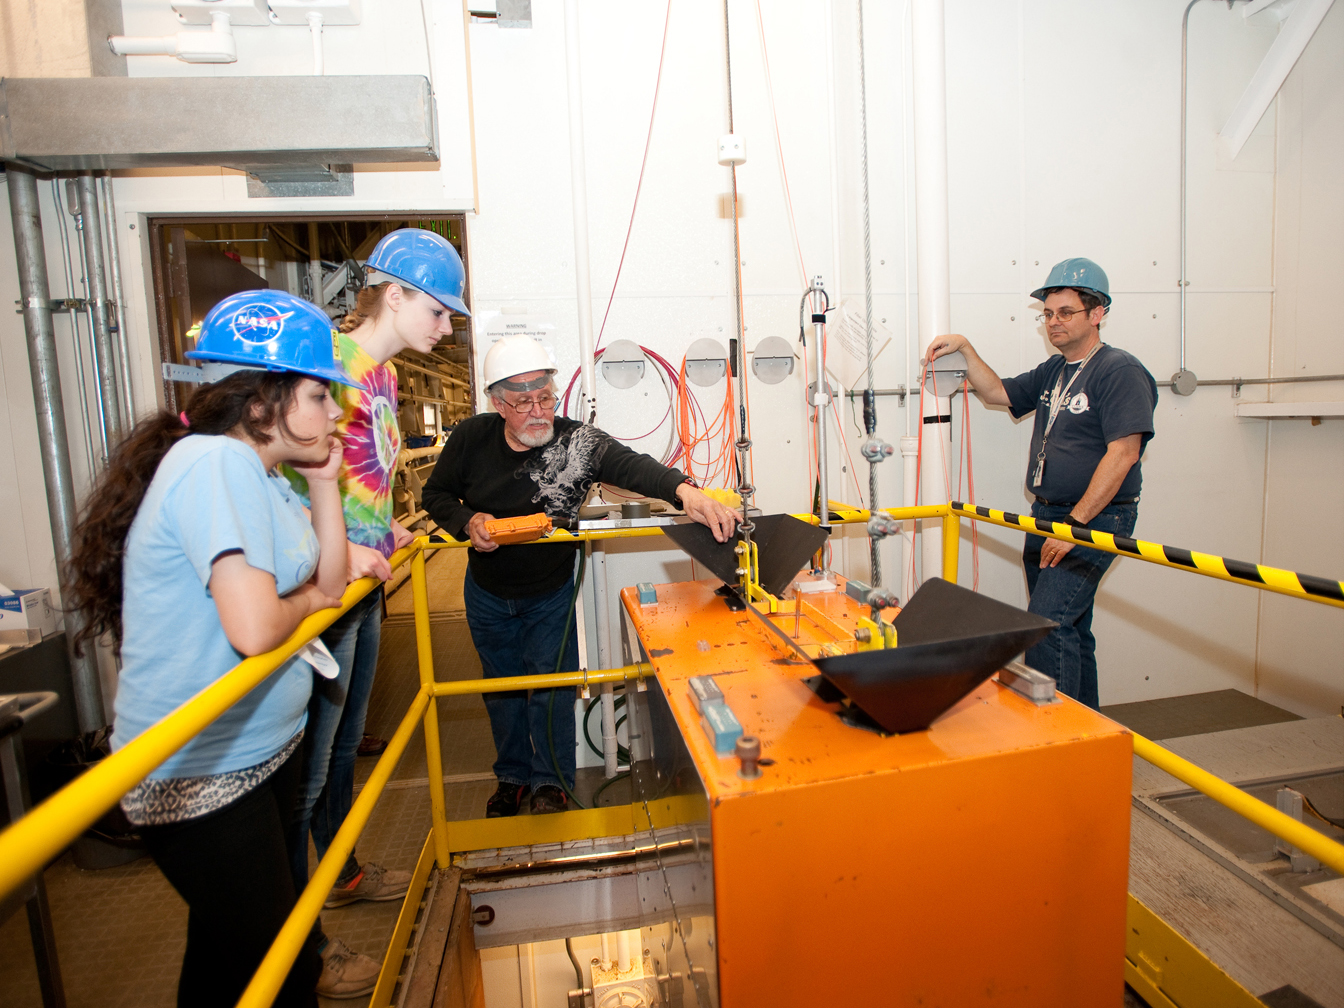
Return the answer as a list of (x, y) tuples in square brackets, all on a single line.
[(272, 330), (424, 260), (1081, 273)]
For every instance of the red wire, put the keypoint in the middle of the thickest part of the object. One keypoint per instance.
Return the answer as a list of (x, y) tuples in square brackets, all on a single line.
[(648, 141), (779, 145)]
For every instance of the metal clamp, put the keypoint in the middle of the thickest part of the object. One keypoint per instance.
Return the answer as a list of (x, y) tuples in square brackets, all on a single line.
[(58, 304), (876, 450), (882, 525)]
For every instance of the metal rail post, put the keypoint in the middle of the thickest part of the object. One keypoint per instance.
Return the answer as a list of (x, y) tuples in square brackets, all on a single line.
[(35, 296), (951, 545), (424, 647)]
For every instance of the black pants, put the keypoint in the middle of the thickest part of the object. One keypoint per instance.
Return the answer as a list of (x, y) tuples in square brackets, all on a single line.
[(233, 869)]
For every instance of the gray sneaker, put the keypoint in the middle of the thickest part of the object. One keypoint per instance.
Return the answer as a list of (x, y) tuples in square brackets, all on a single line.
[(345, 973), (374, 883)]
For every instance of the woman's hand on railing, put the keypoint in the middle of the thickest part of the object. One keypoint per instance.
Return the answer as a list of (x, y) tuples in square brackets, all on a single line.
[(365, 561)]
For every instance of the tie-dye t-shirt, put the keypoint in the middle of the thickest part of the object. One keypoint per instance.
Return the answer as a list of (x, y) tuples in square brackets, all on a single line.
[(368, 428)]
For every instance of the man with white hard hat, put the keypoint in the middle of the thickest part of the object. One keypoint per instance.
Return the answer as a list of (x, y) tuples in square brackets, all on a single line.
[(519, 461), (1094, 415)]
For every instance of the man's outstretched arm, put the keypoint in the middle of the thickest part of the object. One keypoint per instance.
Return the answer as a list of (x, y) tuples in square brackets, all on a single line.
[(986, 383)]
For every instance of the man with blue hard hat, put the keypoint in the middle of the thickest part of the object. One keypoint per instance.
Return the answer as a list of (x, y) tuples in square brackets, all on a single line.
[(1094, 415)]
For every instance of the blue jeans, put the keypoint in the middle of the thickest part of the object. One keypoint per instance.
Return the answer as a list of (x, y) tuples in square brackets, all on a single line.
[(1065, 593), (336, 714), (522, 637)]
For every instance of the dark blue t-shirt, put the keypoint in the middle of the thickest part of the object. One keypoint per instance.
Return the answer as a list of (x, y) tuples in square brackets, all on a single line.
[(1113, 398)]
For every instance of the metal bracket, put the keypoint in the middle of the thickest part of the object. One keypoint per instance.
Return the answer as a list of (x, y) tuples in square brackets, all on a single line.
[(1037, 687), (59, 305)]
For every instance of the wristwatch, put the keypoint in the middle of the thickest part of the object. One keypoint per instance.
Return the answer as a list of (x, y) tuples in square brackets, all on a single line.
[(1073, 520)]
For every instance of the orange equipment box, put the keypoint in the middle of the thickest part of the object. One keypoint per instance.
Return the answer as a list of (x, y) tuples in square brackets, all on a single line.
[(524, 529), (983, 861)]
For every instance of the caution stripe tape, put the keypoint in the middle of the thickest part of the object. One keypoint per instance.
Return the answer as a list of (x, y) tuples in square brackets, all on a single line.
[(1286, 582)]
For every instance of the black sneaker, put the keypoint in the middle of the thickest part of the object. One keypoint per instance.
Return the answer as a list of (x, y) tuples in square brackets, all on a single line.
[(549, 798), (506, 799)]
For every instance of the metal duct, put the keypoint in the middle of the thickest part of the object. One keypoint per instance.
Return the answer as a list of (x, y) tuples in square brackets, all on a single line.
[(248, 123)]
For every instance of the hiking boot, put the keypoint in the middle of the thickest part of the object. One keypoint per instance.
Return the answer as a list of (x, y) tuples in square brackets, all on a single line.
[(506, 799), (374, 882), (549, 798), (371, 745), (345, 973)]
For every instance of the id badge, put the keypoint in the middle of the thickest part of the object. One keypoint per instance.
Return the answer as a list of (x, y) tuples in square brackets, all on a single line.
[(1039, 475)]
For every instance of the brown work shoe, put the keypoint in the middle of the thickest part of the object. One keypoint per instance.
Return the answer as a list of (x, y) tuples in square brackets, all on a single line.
[(371, 745), (345, 973), (374, 882), (549, 798)]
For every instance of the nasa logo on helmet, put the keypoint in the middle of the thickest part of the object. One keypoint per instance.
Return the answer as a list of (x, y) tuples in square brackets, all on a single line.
[(257, 324), (271, 330)]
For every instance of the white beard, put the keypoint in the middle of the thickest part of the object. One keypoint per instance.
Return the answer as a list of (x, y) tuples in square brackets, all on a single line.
[(538, 439)]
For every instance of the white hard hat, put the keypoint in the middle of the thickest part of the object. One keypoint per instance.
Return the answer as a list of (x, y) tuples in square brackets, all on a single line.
[(515, 354)]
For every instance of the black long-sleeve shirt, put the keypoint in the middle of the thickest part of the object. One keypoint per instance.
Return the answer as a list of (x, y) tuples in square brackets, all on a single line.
[(479, 472)]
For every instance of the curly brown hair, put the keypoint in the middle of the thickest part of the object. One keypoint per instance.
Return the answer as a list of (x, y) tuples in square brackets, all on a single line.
[(245, 404)]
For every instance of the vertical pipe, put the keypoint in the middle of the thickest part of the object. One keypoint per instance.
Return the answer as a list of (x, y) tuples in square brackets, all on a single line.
[(909, 496), (578, 182), (951, 547), (821, 400), (123, 351), (1185, 50), (95, 288), (609, 748), (424, 649), (35, 297), (601, 617), (622, 950), (315, 265), (76, 339), (870, 408), (931, 242), (315, 26)]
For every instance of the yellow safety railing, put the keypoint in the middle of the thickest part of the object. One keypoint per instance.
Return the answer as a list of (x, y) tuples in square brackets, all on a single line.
[(49, 828), (1275, 579), (28, 844)]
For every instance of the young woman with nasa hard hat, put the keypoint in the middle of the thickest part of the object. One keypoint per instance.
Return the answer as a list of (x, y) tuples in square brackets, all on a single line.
[(192, 553)]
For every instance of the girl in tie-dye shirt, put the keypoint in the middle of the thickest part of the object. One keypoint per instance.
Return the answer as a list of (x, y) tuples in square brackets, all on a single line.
[(389, 317)]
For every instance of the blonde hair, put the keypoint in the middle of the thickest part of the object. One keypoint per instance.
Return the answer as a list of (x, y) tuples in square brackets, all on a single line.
[(369, 305)]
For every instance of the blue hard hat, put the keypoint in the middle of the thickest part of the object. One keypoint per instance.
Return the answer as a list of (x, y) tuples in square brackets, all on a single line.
[(272, 330), (424, 260), (1081, 273)]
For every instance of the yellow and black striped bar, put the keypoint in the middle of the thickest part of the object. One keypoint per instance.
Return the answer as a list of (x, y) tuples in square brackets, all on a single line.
[(1285, 582)]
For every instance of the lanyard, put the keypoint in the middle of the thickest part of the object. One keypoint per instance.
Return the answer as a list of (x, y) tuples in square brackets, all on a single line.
[(1057, 399)]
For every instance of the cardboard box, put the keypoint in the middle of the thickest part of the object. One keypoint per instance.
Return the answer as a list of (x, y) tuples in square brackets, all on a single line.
[(27, 615)]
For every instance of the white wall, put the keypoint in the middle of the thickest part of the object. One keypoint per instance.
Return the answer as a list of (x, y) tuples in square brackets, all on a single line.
[(1063, 140)]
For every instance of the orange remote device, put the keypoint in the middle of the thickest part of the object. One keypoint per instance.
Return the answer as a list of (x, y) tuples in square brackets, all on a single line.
[(524, 529)]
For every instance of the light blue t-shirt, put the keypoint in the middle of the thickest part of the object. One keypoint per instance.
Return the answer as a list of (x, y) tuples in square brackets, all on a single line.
[(210, 495)]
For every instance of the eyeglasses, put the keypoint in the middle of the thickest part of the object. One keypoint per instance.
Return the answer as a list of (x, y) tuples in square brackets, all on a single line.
[(546, 402), (1064, 314)]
